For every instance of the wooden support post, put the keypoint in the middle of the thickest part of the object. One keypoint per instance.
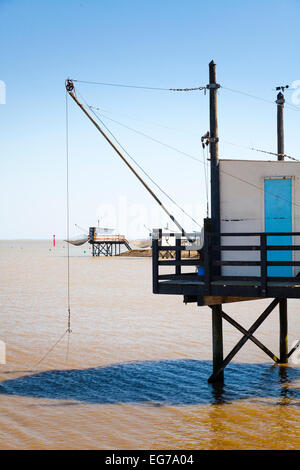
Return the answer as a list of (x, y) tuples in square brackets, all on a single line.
[(283, 331), (214, 147), (217, 326), (178, 256), (155, 267), (214, 158), (217, 337), (280, 129)]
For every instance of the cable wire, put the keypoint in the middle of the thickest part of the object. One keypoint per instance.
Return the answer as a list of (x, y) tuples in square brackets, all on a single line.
[(150, 138), (51, 349), (134, 160), (289, 105), (103, 113), (198, 160), (206, 179), (121, 85), (187, 154)]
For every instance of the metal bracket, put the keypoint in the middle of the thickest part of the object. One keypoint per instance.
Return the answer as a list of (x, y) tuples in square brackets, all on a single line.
[(206, 139), (213, 86)]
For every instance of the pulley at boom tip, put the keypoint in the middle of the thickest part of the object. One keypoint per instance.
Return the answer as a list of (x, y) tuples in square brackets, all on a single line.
[(69, 85)]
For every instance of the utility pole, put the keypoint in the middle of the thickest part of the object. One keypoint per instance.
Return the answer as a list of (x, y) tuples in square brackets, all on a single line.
[(283, 319), (214, 147), (217, 325)]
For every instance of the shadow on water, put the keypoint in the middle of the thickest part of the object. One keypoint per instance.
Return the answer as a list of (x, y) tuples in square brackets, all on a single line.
[(160, 383)]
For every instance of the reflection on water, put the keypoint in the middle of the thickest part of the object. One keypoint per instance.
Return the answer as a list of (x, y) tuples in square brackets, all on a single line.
[(137, 371), (159, 383)]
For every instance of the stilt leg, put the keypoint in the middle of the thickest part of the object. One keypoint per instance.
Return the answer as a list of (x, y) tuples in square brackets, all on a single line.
[(217, 333), (283, 339)]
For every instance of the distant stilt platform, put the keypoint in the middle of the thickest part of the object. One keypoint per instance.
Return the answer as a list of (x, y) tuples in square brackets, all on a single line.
[(107, 244)]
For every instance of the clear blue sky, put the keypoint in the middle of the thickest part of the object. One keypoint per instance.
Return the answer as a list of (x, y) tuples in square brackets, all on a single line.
[(159, 43)]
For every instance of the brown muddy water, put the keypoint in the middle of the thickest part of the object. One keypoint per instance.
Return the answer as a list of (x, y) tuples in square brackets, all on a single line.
[(136, 374)]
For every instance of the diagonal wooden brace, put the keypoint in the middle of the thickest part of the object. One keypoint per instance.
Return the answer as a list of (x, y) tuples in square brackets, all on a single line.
[(294, 348), (252, 338), (245, 338)]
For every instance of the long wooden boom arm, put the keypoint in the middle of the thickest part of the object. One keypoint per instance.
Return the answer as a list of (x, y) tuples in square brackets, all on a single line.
[(71, 91)]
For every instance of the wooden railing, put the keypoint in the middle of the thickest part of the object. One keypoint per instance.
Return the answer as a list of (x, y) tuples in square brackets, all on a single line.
[(178, 262), (210, 257), (214, 257)]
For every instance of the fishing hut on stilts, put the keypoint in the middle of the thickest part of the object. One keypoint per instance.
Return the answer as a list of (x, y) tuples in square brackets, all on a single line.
[(248, 248), (105, 243), (251, 246)]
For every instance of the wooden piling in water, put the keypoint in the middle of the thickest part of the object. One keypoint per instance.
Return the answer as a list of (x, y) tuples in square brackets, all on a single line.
[(217, 335), (283, 331)]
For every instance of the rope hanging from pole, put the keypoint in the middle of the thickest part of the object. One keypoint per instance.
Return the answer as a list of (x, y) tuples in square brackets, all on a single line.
[(69, 331)]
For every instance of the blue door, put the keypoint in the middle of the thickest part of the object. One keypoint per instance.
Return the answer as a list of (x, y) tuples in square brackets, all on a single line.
[(278, 218)]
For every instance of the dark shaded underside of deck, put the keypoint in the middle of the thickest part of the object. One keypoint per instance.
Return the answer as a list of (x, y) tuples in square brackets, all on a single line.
[(196, 287)]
